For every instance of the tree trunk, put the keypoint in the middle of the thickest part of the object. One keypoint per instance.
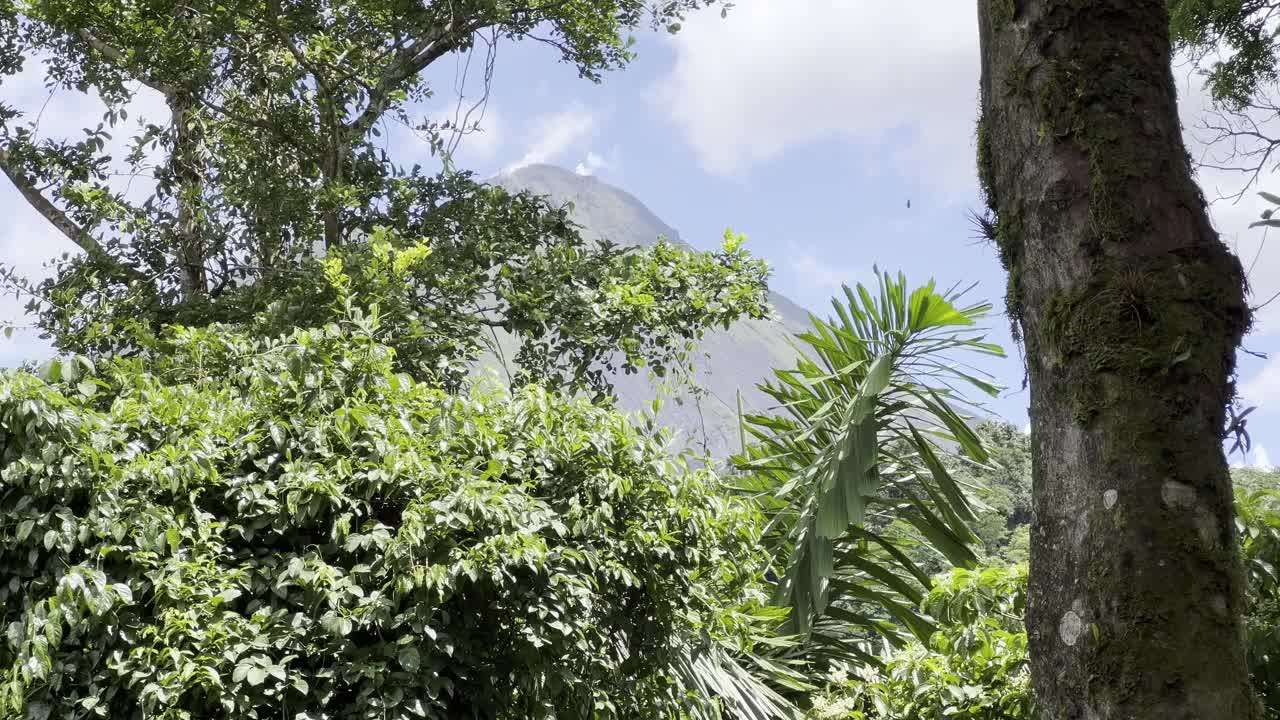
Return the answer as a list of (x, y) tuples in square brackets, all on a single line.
[(332, 159), (1131, 311), (185, 166)]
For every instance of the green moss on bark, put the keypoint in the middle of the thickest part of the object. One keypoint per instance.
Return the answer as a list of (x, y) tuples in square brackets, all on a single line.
[(1009, 233), (1003, 12), (1142, 323), (1085, 97), (986, 163)]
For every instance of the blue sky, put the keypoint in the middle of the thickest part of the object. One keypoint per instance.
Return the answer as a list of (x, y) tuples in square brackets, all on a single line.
[(806, 125)]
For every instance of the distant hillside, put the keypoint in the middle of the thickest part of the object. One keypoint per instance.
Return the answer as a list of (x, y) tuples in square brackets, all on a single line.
[(736, 359)]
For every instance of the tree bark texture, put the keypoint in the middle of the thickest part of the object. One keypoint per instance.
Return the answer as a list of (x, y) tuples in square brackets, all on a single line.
[(1131, 310), (185, 166)]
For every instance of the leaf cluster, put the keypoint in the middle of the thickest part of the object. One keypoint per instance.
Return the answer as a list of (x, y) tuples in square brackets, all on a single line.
[(226, 525), (455, 269), (1244, 29), (973, 666)]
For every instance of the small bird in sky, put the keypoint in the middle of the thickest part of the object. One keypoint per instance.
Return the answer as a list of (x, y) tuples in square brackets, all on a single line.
[(908, 203)]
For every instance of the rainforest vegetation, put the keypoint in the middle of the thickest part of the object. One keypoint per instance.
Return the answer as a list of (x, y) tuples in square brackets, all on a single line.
[(262, 477)]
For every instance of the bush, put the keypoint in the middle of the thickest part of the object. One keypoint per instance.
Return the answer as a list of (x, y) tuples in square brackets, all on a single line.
[(232, 527), (974, 665), (1258, 522)]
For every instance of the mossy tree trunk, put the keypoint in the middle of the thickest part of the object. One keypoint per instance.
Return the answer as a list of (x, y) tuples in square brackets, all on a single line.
[(1131, 310)]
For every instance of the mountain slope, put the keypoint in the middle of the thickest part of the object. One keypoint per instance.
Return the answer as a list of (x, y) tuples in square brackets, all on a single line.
[(728, 361)]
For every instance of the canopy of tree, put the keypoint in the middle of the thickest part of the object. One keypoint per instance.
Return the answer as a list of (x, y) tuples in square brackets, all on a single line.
[(269, 157)]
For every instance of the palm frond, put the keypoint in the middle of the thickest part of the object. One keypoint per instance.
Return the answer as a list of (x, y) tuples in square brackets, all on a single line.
[(712, 672), (861, 426)]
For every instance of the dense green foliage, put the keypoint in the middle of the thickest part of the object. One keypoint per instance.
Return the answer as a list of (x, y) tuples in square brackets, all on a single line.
[(250, 520), (1258, 511), (261, 483), (1001, 485), (467, 262), (487, 262), (973, 666), (233, 526)]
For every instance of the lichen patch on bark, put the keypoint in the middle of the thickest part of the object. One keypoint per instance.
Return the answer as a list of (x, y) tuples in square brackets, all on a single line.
[(1070, 628), (1219, 605), (1207, 527), (1177, 495)]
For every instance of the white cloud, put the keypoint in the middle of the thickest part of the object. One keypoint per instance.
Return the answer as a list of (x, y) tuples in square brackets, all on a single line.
[(591, 164), (556, 134), (1256, 458), (1263, 389), (776, 75), (595, 163)]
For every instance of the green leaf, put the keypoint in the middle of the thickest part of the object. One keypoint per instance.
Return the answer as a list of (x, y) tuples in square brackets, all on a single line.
[(409, 658), (931, 310), (955, 496)]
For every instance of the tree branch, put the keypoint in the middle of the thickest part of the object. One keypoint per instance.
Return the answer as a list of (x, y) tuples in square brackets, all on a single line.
[(117, 57), (409, 62), (58, 218)]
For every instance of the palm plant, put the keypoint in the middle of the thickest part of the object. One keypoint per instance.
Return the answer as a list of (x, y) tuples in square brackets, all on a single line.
[(854, 454)]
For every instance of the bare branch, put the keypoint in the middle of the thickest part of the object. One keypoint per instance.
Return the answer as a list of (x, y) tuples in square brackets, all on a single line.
[(1243, 141)]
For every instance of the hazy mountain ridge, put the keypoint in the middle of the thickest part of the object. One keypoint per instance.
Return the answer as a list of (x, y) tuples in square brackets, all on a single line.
[(728, 361)]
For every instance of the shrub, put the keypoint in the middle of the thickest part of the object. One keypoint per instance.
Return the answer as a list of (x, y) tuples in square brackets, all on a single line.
[(973, 666), (1258, 523), (225, 526)]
